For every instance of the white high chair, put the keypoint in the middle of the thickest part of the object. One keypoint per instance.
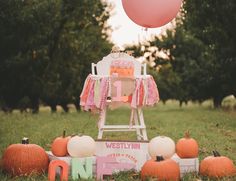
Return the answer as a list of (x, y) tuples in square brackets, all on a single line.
[(102, 69)]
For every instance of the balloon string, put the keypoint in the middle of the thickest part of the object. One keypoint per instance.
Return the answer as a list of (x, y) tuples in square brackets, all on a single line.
[(142, 36)]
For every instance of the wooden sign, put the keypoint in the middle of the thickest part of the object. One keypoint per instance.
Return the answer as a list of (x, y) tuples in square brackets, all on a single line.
[(131, 152)]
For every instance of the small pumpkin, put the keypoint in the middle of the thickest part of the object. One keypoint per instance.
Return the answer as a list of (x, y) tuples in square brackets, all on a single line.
[(187, 147), (25, 159), (217, 166), (161, 169), (161, 145), (81, 146), (59, 145)]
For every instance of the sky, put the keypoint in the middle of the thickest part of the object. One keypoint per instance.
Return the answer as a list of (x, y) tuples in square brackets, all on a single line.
[(126, 31)]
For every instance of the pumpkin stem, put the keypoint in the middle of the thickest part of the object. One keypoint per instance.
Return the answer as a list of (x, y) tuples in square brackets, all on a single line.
[(159, 158), (187, 134), (216, 153), (64, 134), (25, 141)]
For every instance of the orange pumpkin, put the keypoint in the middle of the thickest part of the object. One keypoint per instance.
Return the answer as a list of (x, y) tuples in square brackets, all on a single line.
[(217, 166), (59, 145), (161, 169), (187, 147), (25, 159)]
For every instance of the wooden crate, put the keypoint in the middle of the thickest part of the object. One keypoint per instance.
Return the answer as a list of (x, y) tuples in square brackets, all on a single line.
[(187, 165)]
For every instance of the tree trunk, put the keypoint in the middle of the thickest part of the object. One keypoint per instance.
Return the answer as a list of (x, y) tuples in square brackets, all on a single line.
[(164, 102), (7, 109), (53, 108), (65, 107), (35, 104), (183, 101), (186, 102), (77, 105), (180, 103), (217, 101)]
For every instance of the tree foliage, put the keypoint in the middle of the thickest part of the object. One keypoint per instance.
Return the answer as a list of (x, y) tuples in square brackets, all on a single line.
[(213, 23), (46, 50), (199, 59)]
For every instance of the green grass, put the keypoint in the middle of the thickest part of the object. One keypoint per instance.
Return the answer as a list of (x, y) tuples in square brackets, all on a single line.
[(213, 129)]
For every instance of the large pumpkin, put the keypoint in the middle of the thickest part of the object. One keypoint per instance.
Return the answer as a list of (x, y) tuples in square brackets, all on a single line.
[(187, 147), (217, 166), (25, 159), (59, 145), (161, 145), (161, 169), (81, 146)]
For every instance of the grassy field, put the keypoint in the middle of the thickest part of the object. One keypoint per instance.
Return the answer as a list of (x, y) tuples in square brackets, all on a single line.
[(213, 129)]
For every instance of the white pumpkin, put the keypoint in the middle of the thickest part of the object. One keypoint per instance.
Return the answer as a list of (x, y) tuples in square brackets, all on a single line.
[(161, 146), (81, 146)]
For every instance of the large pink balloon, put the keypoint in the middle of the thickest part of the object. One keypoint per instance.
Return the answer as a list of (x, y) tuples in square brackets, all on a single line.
[(151, 13)]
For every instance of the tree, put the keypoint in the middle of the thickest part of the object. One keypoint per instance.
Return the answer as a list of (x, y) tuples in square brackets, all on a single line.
[(167, 82), (199, 51), (47, 49), (79, 37), (18, 38), (213, 23), (179, 70)]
